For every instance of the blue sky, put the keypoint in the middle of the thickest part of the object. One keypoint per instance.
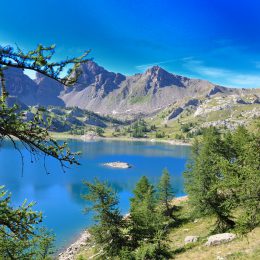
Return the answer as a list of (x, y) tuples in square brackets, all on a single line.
[(217, 40)]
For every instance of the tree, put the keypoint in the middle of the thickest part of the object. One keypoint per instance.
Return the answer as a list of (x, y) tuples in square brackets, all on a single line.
[(148, 224), (34, 135), (107, 231), (100, 131), (160, 135), (205, 180), (223, 178), (139, 236), (165, 192), (143, 212), (246, 184), (19, 237)]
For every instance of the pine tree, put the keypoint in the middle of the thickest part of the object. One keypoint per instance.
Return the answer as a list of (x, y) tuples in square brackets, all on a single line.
[(205, 180), (34, 134), (165, 192), (19, 236), (107, 231), (148, 224), (146, 217), (247, 181)]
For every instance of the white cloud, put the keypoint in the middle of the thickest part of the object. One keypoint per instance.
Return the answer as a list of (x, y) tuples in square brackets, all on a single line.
[(229, 77), (144, 67)]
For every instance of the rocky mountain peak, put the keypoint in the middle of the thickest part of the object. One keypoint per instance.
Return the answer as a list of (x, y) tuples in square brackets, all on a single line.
[(103, 91), (92, 68), (162, 77), (155, 71)]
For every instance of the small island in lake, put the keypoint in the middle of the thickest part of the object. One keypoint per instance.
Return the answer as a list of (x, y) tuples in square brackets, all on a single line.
[(121, 165)]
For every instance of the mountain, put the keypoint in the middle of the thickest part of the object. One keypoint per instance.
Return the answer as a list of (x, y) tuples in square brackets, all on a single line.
[(107, 93), (21, 86)]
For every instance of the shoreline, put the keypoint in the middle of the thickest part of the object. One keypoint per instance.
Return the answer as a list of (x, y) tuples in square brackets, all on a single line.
[(86, 138), (84, 237)]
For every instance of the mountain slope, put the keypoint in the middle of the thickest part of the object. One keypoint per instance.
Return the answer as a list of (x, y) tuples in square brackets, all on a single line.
[(105, 92)]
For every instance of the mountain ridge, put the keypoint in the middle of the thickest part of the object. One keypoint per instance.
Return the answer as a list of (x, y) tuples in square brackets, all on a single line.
[(105, 92)]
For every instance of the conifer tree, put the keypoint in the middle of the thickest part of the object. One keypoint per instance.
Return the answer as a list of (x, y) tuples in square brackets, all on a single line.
[(205, 180), (32, 135), (19, 236), (165, 192), (107, 231), (145, 219)]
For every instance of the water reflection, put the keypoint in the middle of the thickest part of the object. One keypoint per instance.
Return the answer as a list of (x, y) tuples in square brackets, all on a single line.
[(58, 194)]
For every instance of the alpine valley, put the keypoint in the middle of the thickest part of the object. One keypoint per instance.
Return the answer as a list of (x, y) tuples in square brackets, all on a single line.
[(161, 104)]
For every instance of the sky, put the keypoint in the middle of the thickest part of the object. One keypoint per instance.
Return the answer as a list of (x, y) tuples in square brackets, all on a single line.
[(216, 40)]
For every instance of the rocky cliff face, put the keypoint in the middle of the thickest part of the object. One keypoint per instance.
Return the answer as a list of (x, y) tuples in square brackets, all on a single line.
[(21, 86), (107, 92)]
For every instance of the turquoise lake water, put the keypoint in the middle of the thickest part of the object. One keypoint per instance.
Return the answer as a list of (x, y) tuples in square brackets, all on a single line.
[(58, 194)]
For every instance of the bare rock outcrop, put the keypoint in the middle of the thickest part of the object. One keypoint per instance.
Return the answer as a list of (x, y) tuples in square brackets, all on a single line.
[(220, 239)]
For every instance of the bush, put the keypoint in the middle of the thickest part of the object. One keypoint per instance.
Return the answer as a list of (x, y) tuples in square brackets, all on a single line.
[(148, 251), (160, 135)]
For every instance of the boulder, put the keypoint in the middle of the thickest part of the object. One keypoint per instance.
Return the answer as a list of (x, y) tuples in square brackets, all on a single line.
[(220, 239), (190, 239)]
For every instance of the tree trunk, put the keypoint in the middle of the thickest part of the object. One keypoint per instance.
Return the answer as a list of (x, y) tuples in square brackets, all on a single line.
[(224, 223)]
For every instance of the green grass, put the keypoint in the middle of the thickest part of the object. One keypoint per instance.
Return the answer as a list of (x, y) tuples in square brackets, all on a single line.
[(242, 248), (139, 99)]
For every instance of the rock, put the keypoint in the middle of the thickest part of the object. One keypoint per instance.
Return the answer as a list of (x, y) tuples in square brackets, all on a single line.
[(193, 102), (256, 101), (89, 136), (190, 239), (74, 248), (220, 239), (175, 113), (220, 258), (121, 165)]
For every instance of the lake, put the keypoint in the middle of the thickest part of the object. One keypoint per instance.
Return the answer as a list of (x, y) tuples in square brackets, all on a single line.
[(58, 194)]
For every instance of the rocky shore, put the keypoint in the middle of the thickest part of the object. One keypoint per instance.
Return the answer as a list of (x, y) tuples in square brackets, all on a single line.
[(73, 249)]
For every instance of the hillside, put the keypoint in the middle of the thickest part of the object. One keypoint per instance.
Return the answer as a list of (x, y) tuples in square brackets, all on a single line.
[(239, 249), (160, 97)]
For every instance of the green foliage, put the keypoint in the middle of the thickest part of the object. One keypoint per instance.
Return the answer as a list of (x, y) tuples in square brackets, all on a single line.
[(140, 236), (148, 251), (33, 134), (100, 131), (153, 127), (185, 128), (143, 211), (179, 136), (148, 224), (223, 177), (204, 180), (160, 135), (165, 192), (39, 60), (19, 237), (139, 129), (108, 230)]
